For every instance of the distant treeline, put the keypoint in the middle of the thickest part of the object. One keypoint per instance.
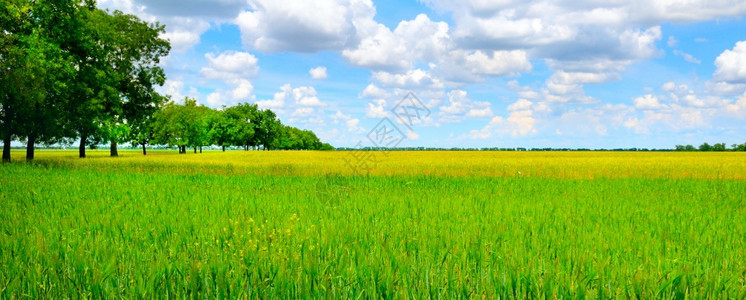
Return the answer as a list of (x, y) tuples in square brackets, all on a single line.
[(708, 147)]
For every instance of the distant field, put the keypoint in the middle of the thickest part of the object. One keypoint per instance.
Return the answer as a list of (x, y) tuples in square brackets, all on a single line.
[(415, 224)]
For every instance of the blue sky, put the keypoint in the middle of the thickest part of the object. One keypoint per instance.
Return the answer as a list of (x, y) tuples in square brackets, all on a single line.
[(595, 74)]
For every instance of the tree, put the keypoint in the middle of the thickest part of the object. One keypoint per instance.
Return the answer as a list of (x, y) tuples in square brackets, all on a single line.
[(719, 147), (243, 118), (91, 91), (268, 128), (198, 125), (223, 129), (30, 64), (184, 125), (137, 57), (14, 80), (141, 131), (169, 126), (705, 147), (132, 51)]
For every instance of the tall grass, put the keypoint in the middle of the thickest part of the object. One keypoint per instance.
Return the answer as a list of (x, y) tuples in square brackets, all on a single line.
[(218, 225)]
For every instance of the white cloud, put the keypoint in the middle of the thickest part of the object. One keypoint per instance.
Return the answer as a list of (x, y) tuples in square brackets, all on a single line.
[(318, 73), (567, 87), (303, 112), (215, 99), (687, 57), (669, 86), (230, 65), (174, 88), (299, 105), (412, 79), (481, 110), (471, 66), (380, 51), (731, 64), (648, 102), (243, 90), (498, 63), (278, 101), (518, 123), (184, 33), (373, 91), (351, 123), (377, 109), (521, 104), (383, 49), (306, 96), (303, 26), (723, 88), (460, 106), (412, 135)]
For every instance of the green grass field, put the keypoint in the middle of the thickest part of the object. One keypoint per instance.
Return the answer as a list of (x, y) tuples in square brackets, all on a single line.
[(423, 224)]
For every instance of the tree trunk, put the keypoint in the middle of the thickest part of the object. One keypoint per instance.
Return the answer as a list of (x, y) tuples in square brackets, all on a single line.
[(6, 147), (223, 148), (30, 147), (113, 149), (200, 149), (81, 148), (144, 152), (195, 149)]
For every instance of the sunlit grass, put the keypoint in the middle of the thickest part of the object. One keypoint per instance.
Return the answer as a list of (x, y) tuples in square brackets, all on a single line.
[(420, 224)]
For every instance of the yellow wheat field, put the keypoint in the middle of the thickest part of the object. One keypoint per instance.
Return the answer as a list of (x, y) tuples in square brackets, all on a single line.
[(571, 165)]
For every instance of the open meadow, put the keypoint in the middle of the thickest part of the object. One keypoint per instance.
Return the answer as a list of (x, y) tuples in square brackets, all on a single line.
[(414, 225)]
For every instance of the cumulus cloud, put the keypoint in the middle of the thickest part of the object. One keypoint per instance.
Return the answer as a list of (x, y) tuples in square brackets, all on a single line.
[(306, 96), (373, 91), (731, 64), (567, 87), (318, 73), (380, 48), (648, 102), (296, 105), (278, 100), (376, 109), (241, 90), (303, 26), (230, 65), (184, 33), (520, 122), (412, 79), (352, 124), (460, 106)]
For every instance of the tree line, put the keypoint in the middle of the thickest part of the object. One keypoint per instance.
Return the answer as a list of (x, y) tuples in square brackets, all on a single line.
[(714, 147), (72, 72), (191, 125)]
